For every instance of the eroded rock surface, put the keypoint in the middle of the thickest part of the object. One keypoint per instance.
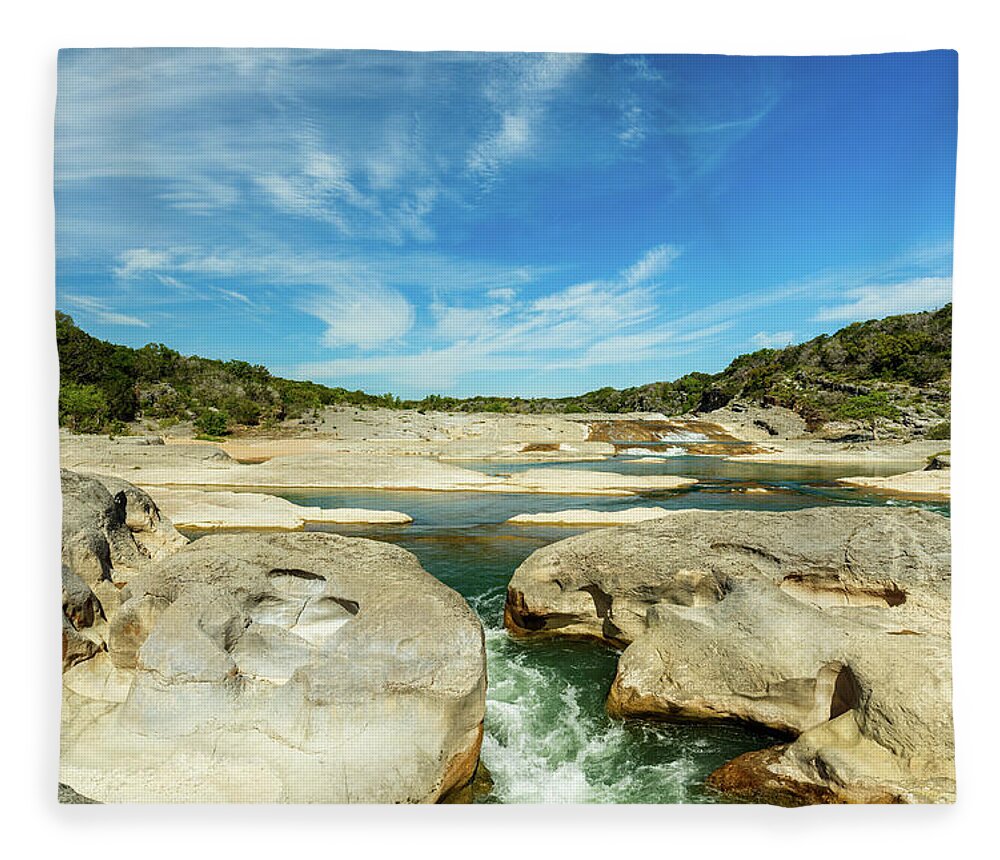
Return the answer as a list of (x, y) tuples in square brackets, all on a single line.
[(279, 668), (110, 529), (829, 625)]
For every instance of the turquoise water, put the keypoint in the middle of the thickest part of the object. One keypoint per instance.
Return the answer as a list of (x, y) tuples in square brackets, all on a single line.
[(548, 738)]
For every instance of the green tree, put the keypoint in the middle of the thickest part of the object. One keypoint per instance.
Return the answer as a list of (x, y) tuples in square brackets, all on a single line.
[(82, 408), (212, 423)]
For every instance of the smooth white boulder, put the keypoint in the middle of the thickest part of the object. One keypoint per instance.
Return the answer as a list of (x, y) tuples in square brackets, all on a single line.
[(265, 667), (584, 517), (200, 509)]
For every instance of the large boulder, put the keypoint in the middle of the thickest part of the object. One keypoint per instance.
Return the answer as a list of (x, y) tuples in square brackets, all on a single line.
[(829, 625), (300, 667), (110, 531), (153, 533)]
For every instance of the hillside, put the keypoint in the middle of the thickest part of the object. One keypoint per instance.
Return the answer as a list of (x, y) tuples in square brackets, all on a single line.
[(104, 386), (895, 371)]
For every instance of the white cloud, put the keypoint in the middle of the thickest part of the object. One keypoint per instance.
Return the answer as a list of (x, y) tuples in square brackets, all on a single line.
[(200, 196), (140, 260), (96, 309), (365, 315), (583, 325), (873, 301), (652, 265), (772, 340), (236, 296), (519, 92)]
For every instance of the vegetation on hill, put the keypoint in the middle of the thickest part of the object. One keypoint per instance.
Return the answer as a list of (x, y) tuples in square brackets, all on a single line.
[(103, 386), (897, 369)]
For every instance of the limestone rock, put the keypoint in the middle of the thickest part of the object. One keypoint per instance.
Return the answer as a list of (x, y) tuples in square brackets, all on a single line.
[(303, 667), (829, 625), (370, 465), (107, 537), (82, 620), (938, 462), (199, 509), (108, 533), (155, 535), (585, 517), (934, 484)]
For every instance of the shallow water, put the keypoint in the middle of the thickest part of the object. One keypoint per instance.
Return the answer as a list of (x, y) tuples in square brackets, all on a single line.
[(548, 738)]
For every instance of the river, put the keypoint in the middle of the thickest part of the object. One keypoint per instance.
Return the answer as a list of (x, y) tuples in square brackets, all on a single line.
[(548, 738)]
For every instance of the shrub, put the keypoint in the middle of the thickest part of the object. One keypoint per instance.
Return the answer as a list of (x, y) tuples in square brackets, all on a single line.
[(212, 423), (939, 431), (82, 408), (868, 407)]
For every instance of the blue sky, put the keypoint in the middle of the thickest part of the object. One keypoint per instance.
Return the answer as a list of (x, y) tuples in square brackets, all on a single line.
[(497, 223)]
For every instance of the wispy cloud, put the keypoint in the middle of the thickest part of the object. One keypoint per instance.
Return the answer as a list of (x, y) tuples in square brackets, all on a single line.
[(137, 261), (871, 301), (518, 91), (360, 313), (97, 309), (582, 325), (773, 339)]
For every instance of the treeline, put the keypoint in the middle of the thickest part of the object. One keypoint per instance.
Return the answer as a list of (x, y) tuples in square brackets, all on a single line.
[(828, 377), (103, 386), (864, 371)]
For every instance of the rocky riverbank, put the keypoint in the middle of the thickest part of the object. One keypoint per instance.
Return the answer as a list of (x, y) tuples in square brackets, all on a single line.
[(257, 667), (328, 466), (827, 625)]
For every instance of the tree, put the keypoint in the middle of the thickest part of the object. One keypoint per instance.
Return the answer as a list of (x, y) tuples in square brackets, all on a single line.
[(212, 423), (82, 408)]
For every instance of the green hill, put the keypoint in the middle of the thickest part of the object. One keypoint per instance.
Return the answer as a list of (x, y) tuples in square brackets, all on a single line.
[(894, 362), (896, 370), (103, 386)]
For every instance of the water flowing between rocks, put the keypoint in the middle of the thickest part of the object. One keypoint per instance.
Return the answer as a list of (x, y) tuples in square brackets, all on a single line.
[(548, 738)]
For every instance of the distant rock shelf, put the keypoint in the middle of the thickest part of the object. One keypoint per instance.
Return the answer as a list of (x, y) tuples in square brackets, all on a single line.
[(582, 517), (203, 467), (926, 485), (200, 509)]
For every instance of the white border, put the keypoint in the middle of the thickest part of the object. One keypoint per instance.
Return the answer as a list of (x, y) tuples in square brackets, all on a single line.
[(30, 491)]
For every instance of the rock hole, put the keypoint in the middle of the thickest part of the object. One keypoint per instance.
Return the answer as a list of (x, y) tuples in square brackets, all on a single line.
[(822, 590), (351, 606), (602, 600), (293, 571), (845, 693)]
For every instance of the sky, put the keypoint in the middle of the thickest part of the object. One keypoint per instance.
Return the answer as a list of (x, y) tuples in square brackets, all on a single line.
[(499, 224)]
